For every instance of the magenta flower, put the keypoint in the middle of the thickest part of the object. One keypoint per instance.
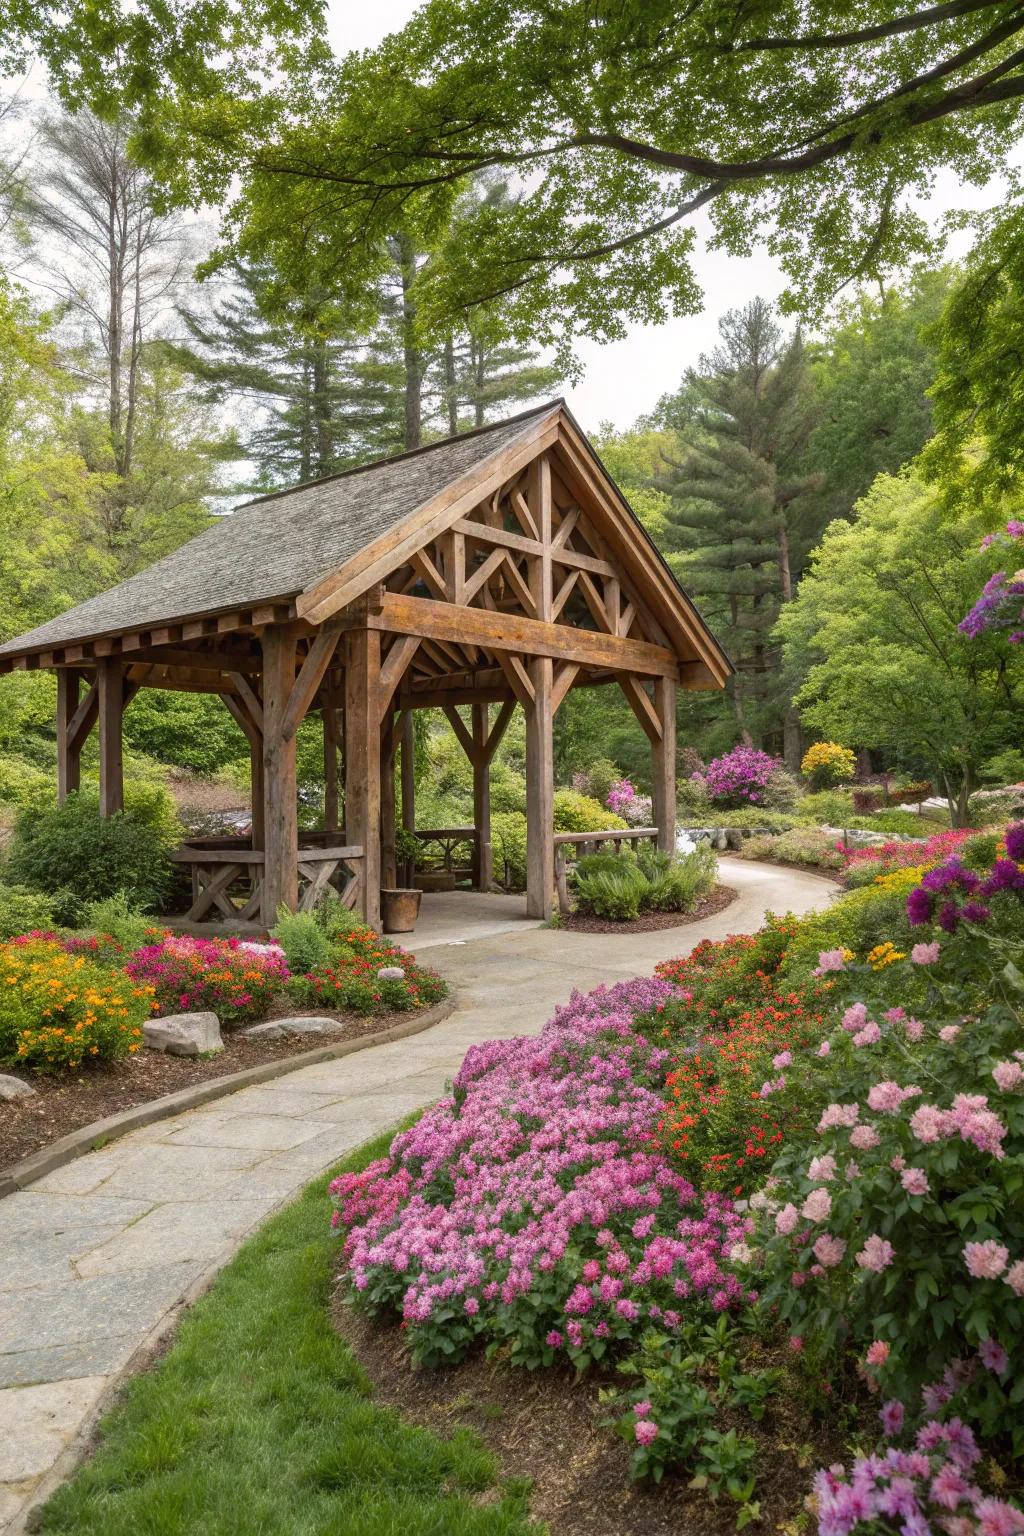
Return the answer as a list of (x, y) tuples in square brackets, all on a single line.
[(645, 1431), (876, 1255), (891, 1415), (925, 954)]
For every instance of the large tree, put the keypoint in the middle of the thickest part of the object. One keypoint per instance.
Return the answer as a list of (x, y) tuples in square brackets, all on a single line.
[(873, 631), (739, 498), (811, 125)]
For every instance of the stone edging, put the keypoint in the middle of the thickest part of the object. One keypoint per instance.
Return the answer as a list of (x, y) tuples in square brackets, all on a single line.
[(20, 1175)]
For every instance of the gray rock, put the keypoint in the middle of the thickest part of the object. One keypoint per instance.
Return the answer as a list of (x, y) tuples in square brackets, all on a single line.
[(183, 1034), (276, 1029), (14, 1087)]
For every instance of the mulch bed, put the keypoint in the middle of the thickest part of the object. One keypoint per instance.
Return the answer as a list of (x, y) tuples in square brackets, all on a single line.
[(715, 901), (64, 1102), (546, 1426)]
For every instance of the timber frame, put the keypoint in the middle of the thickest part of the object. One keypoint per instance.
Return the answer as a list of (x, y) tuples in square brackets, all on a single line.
[(524, 577)]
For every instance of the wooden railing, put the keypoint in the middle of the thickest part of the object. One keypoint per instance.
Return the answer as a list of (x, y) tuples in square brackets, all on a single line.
[(448, 840), (227, 874), (582, 843)]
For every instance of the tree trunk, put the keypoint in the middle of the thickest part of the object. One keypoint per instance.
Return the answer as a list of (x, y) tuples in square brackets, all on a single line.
[(412, 358), (322, 410), (451, 398)]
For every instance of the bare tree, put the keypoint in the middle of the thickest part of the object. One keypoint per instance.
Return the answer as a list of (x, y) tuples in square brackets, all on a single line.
[(113, 262)]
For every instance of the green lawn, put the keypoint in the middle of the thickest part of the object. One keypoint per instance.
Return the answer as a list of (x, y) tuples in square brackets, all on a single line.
[(258, 1420)]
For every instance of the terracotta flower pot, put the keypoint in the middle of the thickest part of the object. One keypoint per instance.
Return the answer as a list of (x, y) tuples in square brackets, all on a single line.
[(399, 910)]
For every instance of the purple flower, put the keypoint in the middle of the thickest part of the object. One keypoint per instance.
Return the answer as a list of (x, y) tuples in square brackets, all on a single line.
[(891, 1415), (1015, 841)]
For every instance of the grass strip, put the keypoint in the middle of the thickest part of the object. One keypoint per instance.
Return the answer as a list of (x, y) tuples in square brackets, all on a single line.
[(259, 1422)]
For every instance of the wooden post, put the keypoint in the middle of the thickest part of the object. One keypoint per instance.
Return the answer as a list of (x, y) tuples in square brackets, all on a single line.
[(110, 691), (69, 753), (388, 853), (331, 799), (258, 838), (540, 793), (483, 858), (663, 762), (280, 814), (408, 781), (362, 760)]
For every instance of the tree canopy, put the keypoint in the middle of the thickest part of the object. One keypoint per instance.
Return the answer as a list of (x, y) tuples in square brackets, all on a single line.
[(808, 125)]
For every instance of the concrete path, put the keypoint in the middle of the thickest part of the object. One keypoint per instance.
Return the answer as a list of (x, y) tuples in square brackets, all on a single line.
[(98, 1255)]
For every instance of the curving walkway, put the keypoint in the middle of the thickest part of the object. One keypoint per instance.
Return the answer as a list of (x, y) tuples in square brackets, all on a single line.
[(99, 1255)]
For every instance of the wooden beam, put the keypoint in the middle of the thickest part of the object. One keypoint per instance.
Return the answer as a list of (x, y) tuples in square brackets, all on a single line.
[(462, 735), (329, 715), (428, 572), (110, 692), (525, 636), (388, 852), (249, 699), (427, 522), (518, 678), (394, 668), (663, 763), (565, 528), (540, 793), (563, 594), (362, 760), (281, 827), (540, 505), (482, 574), (483, 859), (227, 661), (565, 675), (518, 585), (69, 752), (522, 545), (408, 738), (640, 703), (499, 727), (304, 689), (84, 718)]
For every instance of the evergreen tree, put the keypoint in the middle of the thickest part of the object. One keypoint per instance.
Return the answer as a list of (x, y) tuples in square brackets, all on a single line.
[(739, 504)]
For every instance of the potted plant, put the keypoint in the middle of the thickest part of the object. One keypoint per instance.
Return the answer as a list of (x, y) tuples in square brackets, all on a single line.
[(400, 907)]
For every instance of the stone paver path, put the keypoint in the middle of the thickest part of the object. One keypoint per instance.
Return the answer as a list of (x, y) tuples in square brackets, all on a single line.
[(96, 1256)]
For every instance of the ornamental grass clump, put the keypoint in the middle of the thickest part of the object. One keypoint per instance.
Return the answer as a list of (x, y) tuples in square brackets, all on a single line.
[(232, 978), (59, 1010), (529, 1209)]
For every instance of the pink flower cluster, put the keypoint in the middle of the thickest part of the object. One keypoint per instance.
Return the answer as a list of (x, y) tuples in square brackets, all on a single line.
[(969, 1118), (530, 1199), (929, 1488), (740, 777)]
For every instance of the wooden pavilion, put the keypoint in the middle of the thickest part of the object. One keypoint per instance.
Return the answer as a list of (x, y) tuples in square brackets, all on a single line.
[(499, 567)]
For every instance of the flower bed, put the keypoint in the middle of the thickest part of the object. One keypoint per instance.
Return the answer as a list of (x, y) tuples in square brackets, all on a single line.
[(368, 975), (232, 978), (58, 1010), (572, 1200)]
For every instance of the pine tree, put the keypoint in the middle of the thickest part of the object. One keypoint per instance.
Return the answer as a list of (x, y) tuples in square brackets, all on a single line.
[(740, 505)]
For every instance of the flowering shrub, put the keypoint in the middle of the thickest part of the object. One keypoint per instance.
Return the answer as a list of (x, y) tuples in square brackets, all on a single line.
[(60, 1010), (722, 1048), (368, 975), (827, 763), (898, 1230), (740, 777), (933, 1486), (953, 893), (233, 979), (920, 851), (1001, 604), (529, 1208), (636, 810)]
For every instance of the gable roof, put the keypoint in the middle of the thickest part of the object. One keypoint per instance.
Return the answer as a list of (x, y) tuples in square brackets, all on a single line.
[(289, 543)]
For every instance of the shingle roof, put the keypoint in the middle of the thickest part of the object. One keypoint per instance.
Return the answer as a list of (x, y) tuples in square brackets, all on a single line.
[(278, 545)]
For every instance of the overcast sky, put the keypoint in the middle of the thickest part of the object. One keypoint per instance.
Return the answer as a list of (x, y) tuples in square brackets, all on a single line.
[(626, 378)]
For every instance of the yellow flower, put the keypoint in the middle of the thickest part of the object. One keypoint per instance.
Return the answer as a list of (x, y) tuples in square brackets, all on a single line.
[(884, 954)]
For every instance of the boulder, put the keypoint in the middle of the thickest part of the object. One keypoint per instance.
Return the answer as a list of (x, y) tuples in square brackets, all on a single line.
[(183, 1034), (276, 1029), (14, 1087)]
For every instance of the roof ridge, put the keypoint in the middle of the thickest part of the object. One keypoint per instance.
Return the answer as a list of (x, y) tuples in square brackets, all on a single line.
[(408, 453)]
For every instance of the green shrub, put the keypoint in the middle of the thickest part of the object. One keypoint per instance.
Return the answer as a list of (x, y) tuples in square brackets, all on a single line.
[(833, 807), (979, 853), (904, 823), (804, 845), (334, 918), (508, 843), (781, 790), (23, 911), (117, 917), (508, 789), (610, 885), (579, 813), (306, 946), (857, 920), (677, 883), (1004, 768), (75, 855), (22, 784), (868, 798), (756, 820), (693, 800), (601, 775)]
